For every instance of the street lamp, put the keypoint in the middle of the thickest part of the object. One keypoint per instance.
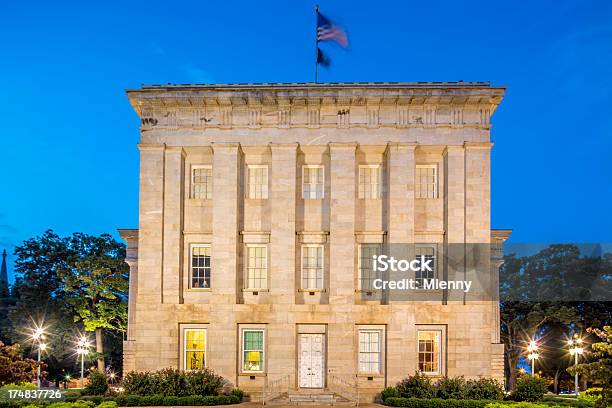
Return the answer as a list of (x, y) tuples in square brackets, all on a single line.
[(38, 337), (82, 350), (576, 348), (533, 354)]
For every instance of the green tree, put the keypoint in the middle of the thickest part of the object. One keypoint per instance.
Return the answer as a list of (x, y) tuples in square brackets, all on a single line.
[(63, 280), (95, 285), (37, 293), (600, 370)]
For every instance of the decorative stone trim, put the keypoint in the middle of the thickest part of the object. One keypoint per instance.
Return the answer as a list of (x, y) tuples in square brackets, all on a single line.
[(255, 237), (312, 237), (256, 106)]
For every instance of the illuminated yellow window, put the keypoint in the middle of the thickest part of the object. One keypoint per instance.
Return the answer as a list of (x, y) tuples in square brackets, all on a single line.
[(430, 351), (253, 351), (194, 349)]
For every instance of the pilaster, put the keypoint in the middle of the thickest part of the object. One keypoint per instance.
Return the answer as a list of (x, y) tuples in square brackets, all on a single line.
[(174, 185)]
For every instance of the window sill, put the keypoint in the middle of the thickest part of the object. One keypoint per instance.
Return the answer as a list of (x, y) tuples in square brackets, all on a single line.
[(313, 199), (255, 290), (253, 374), (312, 290), (199, 200), (198, 290), (373, 375)]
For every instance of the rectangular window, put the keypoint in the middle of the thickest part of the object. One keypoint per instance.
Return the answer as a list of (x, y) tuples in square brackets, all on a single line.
[(201, 182), (429, 254), (253, 350), (194, 348), (369, 182), (258, 182), (430, 351), (367, 275), (426, 183), (370, 351), (312, 266), (312, 182), (257, 266), (200, 267)]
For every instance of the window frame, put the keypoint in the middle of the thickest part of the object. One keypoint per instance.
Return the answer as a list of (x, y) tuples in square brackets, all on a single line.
[(190, 281), (360, 191), (183, 346), (209, 189), (441, 329), (381, 347), (313, 166), (322, 266), (435, 183), (265, 187), (359, 269), (264, 366), (247, 269), (435, 259)]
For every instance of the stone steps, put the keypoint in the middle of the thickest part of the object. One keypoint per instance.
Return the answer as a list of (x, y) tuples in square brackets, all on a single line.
[(310, 398)]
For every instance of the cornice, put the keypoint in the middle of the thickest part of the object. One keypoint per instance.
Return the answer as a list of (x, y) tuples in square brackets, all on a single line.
[(258, 106)]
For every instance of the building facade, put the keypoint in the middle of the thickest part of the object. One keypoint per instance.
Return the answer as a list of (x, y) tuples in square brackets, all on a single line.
[(259, 206)]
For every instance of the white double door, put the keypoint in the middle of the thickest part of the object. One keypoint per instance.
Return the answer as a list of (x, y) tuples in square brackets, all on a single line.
[(312, 360)]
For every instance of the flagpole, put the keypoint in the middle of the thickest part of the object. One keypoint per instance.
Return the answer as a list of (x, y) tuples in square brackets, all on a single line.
[(316, 43)]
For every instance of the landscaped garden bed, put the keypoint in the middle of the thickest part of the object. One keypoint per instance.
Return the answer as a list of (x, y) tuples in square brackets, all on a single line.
[(419, 391)]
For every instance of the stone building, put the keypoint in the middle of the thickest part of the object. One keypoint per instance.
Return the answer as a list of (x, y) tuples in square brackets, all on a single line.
[(259, 204)]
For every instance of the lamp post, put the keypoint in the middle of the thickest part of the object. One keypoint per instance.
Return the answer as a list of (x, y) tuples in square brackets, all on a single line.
[(38, 336), (576, 348), (82, 350), (533, 355)]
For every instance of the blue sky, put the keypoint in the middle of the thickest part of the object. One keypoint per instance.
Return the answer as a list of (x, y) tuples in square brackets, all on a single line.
[(69, 159)]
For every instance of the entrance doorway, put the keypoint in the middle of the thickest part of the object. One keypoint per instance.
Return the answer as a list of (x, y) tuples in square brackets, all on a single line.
[(312, 360)]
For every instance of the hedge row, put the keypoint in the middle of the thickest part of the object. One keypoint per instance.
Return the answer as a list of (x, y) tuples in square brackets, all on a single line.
[(160, 400), (133, 401), (434, 403), (455, 403)]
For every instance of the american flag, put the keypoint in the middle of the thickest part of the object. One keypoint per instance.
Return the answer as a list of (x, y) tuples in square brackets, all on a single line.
[(328, 31)]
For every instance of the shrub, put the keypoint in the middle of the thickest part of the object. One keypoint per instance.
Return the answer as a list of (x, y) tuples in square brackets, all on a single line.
[(451, 388), (238, 393), (83, 404), (108, 404), (19, 386), (530, 388), (95, 399), (484, 389), (137, 383), (172, 382), (152, 400), (417, 386), (523, 404), (434, 403), (591, 395), (389, 392), (204, 382)]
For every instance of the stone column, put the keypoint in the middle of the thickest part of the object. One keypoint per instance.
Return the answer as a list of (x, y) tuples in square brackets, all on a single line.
[(130, 236), (478, 239), (282, 238), (150, 255), (282, 258), (454, 215), (225, 265), (400, 230), (174, 186), (342, 258), (151, 209)]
